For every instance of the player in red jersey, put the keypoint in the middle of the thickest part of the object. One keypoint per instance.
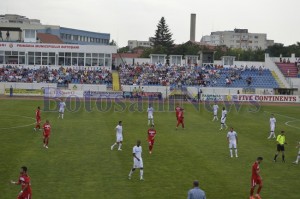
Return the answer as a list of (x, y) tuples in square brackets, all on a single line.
[(177, 109), (151, 136), (24, 181), (256, 179), (180, 119), (47, 131), (38, 118)]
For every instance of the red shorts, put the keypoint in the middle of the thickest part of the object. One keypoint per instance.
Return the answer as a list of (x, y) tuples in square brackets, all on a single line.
[(180, 121), (46, 135), (255, 181), (38, 120), (151, 142), (25, 195)]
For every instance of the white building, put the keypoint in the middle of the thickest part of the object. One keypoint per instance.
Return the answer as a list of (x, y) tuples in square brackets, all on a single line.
[(135, 43), (238, 38), (37, 54)]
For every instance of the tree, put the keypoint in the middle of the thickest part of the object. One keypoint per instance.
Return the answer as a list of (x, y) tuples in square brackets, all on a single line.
[(113, 43), (163, 36), (123, 49)]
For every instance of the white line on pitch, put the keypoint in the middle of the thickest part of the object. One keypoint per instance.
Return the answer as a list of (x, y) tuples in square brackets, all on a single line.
[(15, 127), (287, 123)]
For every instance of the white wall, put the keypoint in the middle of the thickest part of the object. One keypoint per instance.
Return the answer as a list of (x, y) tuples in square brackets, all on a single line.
[(87, 87), (163, 89), (4, 85), (296, 84), (214, 90)]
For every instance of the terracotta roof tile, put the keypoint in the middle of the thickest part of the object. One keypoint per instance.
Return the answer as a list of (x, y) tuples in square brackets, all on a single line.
[(49, 38)]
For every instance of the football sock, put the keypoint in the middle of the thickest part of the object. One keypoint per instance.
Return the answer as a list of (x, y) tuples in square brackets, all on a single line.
[(182, 125), (62, 116), (251, 191), (150, 148), (259, 189), (283, 158), (230, 152), (236, 154), (275, 157), (131, 172), (114, 145), (120, 144), (148, 122), (141, 173)]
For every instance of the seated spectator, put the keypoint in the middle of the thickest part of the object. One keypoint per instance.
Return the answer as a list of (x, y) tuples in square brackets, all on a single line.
[(227, 81), (249, 80)]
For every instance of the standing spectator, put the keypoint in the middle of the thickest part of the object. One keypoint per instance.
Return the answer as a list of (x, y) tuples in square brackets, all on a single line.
[(7, 36), (1, 35), (280, 146), (11, 91), (196, 192), (24, 181)]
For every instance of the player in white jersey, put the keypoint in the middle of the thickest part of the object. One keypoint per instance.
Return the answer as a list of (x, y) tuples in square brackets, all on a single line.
[(215, 110), (119, 136), (232, 141), (150, 115), (137, 160), (61, 111), (223, 119), (298, 156), (272, 127)]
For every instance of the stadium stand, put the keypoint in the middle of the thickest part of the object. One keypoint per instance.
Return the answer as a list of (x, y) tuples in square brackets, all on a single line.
[(288, 69), (61, 76), (179, 76)]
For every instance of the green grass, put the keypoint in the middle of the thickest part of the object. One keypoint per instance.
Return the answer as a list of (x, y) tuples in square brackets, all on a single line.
[(79, 162)]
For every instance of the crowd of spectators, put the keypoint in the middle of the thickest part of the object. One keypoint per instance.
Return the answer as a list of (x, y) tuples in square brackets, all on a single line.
[(61, 75), (166, 75)]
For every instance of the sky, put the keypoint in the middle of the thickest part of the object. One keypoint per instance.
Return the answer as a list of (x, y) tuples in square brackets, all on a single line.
[(137, 19)]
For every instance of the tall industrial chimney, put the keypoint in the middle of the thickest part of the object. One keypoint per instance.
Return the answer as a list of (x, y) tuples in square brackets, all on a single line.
[(193, 27)]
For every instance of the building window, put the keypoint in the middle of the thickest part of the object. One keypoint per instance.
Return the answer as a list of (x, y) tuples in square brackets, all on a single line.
[(255, 37)]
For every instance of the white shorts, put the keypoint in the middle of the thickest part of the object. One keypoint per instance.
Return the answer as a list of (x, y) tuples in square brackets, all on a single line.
[(137, 164), (223, 120), (119, 138), (272, 128), (232, 145), (215, 113), (61, 110), (150, 116)]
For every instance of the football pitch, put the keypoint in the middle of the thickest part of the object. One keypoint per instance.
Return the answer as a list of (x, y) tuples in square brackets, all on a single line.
[(79, 163)]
